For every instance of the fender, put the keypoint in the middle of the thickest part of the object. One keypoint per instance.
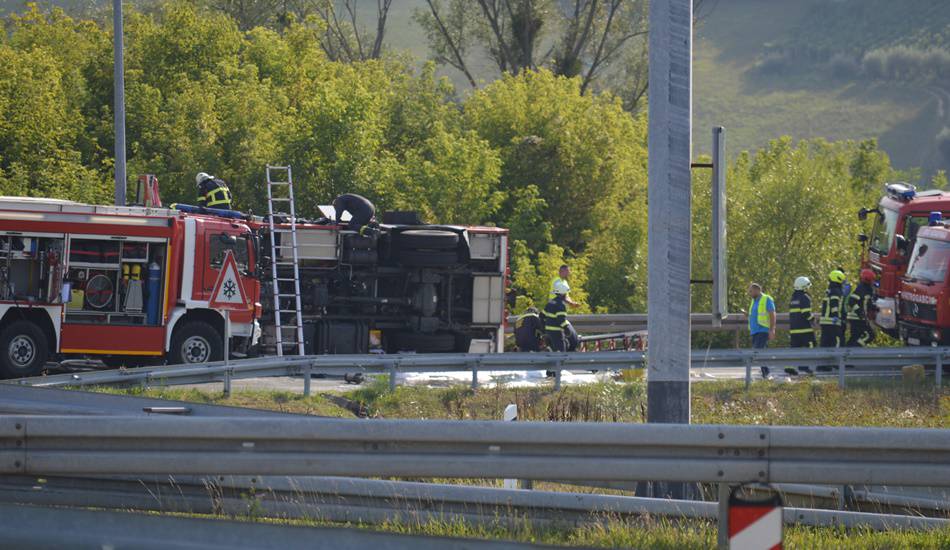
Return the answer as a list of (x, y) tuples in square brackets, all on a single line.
[(251, 330)]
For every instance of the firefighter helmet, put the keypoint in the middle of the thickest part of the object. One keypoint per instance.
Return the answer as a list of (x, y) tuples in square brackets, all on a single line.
[(201, 177), (836, 276), (802, 283), (561, 287), (867, 276)]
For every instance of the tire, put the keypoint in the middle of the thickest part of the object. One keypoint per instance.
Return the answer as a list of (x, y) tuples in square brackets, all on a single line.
[(196, 342), (428, 258), (432, 239), (438, 342), (24, 350)]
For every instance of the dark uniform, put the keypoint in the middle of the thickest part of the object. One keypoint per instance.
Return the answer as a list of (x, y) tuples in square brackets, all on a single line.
[(528, 332), (832, 317), (859, 303), (556, 323), (214, 193), (360, 208), (800, 318)]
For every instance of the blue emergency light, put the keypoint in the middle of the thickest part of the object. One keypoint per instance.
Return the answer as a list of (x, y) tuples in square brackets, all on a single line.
[(901, 191), (935, 218)]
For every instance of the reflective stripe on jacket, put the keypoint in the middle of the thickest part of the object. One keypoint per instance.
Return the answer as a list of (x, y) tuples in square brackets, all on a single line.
[(800, 314), (760, 311), (555, 315)]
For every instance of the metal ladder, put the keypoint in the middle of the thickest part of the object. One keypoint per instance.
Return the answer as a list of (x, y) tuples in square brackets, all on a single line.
[(282, 292)]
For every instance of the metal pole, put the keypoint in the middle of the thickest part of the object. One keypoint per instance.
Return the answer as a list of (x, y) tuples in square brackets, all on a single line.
[(307, 373), (670, 120), (119, 97), (938, 373), (227, 353), (723, 538), (720, 305), (841, 371)]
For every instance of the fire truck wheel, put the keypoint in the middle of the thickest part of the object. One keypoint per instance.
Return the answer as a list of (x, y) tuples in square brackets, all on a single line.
[(24, 350), (428, 258), (196, 342), (432, 239)]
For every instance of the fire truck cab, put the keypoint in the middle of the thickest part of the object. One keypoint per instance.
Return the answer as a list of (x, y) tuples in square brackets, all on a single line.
[(924, 298), (129, 283), (898, 217)]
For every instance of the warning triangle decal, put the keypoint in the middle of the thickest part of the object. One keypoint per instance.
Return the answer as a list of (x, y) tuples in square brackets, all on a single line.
[(228, 291)]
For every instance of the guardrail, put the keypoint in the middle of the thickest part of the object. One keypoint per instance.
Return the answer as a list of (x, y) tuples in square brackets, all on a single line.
[(71, 446), (354, 500), (839, 359), (631, 322)]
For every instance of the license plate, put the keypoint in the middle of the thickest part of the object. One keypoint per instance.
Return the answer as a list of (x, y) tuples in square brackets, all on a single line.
[(913, 341)]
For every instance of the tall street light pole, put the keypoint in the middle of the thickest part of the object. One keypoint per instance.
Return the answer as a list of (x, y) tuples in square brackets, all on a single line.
[(119, 96), (670, 134)]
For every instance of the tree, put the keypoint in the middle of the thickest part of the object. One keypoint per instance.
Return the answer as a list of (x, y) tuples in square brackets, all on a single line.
[(588, 36), (345, 38)]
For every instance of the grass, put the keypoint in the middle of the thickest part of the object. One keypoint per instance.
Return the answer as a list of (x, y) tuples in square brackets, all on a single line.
[(808, 402)]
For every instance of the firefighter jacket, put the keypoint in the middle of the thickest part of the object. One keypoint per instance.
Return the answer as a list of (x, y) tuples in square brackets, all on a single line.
[(800, 314), (214, 193), (859, 302), (832, 306), (555, 315), (528, 329)]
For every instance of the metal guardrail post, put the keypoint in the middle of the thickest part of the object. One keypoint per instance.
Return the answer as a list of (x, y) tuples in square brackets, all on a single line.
[(841, 368), (723, 534), (307, 373), (392, 377), (557, 375), (748, 372), (227, 382), (474, 367), (938, 373)]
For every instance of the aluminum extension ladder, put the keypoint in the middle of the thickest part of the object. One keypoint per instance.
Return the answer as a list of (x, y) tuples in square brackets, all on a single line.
[(286, 290)]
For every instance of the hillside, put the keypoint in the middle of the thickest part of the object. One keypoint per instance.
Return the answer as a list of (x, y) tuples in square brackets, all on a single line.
[(765, 68)]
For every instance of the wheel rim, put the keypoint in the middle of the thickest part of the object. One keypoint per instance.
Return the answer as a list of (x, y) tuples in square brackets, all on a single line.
[(196, 349), (22, 350)]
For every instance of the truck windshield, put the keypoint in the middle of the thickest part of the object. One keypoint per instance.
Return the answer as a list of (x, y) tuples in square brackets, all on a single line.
[(930, 260), (884, 228)]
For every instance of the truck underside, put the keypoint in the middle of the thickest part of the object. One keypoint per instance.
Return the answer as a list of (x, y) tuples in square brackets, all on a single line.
[(426, 289)]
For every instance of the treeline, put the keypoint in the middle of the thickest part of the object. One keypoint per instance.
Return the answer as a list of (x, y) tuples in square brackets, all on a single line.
[(563, 168)]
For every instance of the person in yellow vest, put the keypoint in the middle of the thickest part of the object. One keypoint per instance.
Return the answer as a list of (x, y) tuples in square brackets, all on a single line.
[(761, 320), (563, 274), (212, 192)]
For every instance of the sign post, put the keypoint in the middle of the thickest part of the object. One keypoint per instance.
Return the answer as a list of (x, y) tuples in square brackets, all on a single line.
[(228, 295), (752, 523)]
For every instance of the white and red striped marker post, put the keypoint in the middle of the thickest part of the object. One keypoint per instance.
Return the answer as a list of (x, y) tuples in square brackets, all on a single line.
[(754, 523)]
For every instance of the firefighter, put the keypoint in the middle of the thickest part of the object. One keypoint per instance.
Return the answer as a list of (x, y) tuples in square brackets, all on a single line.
[(563, 274), (858, 306), (361, 210), (761, 320), (529, 330), (801, 320), (556, 326), (212, 192), (833, 312)]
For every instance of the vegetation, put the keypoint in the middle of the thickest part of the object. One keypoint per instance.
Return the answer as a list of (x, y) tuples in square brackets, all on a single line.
[(807, 402), (563, 168)]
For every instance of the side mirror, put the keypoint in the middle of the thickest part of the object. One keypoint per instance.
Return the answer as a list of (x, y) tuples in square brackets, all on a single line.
[(228, 239), (901, 243), (862, 238), (863, 214)]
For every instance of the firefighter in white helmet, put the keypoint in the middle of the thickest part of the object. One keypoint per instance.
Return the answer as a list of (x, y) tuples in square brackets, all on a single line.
[(212, 192), (801, 320), (561, 335)]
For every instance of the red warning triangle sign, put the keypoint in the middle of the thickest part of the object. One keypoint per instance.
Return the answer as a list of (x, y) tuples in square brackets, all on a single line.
[(228, 291)]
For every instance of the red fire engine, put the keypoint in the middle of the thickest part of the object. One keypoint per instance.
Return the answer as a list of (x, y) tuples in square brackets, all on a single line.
[(901, 212), (132, 284), (923, 306)]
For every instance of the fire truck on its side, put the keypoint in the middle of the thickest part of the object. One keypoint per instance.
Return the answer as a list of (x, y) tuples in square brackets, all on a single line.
[(898, 217), (133, 284)]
